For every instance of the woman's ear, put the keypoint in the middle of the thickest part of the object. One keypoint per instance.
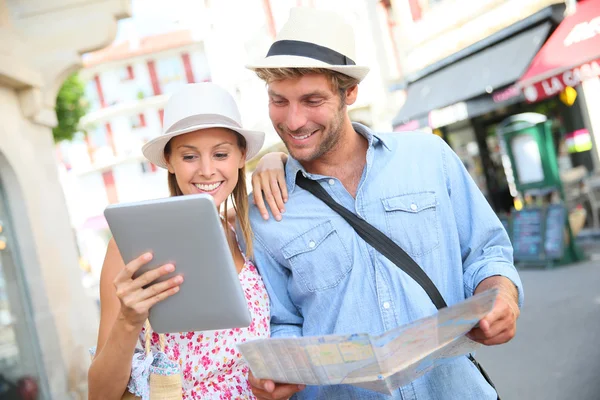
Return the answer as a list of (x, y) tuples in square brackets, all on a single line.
[(242, 159), (169, 166)]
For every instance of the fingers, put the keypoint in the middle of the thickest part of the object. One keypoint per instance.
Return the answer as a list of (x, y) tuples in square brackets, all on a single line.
[(269, 186), (131, 268), (285, 391), (258, 197), (498, 327), (282, 185), (272, 194), (499, 338), (148, 303), (152, 275), (160, 287), (132, 298), (279, 391), (267, 389)]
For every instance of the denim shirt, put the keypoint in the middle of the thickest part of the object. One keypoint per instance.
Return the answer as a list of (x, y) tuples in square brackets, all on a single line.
[(322, 278)]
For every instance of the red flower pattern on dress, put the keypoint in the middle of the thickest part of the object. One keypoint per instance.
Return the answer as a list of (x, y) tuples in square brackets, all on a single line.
[(211, 365)]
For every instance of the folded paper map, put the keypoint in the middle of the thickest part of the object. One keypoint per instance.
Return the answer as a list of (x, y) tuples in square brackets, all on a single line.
[(381, 363)]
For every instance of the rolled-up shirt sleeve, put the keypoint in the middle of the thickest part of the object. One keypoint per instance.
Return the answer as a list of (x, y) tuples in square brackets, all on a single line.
[(286, 319), (485, 246)]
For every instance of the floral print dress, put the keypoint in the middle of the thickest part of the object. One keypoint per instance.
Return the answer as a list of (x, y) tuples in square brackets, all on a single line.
[(211, 366)]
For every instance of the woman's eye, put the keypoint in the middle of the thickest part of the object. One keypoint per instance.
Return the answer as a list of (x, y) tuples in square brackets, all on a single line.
[(221, 155), (188, 158)]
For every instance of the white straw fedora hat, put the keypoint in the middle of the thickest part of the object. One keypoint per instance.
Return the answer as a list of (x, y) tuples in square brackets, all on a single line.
[(313, 38), (200, 106)]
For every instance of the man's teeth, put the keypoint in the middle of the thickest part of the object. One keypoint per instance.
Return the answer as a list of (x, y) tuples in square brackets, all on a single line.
[(302, 137), (209, 187)]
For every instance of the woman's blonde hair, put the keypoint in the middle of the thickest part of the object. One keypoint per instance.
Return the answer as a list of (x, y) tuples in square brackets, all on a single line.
[(337, 80), (239, 198)]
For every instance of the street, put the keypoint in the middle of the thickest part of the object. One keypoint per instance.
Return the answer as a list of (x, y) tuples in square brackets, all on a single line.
[(555, 354)]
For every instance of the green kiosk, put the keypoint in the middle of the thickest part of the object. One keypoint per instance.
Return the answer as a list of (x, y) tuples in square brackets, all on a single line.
[(540, 232)]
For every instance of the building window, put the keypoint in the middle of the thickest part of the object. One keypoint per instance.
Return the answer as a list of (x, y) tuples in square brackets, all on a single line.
[(109, 185), (127, 73), (419, 8), (147, 167), (161, 115), (187, 66), (98, 137), (91, 95), (154, 78), (171, 74), (138, 121)]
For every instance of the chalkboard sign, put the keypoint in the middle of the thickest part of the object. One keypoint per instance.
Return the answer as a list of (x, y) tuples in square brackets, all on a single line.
[(554, 231), (527, 234), (505, 219)]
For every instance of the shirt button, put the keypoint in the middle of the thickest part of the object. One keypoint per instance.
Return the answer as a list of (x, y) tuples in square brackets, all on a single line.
[(386, 305), (312, 244), (331, 182), (413, 207)]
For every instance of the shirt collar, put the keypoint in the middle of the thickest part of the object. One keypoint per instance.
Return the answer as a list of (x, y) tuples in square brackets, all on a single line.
[(292, 167)]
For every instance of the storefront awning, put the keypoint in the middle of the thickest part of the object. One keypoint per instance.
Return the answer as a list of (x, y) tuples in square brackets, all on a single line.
[(572, 54), (483, 72)]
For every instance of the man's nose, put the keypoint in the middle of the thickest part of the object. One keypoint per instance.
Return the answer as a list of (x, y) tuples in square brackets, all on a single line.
[(295, 118)]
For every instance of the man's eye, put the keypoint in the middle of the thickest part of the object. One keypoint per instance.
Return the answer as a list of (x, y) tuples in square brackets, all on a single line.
[(314, 102), (278, 102)]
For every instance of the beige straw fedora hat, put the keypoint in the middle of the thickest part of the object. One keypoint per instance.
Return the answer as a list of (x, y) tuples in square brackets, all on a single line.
[(198, 106), (313, 38)]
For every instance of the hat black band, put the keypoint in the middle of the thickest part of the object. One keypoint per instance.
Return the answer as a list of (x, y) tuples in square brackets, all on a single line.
[(310, 50)]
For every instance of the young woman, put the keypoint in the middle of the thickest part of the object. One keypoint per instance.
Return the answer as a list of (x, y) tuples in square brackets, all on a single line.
[(204, 149)]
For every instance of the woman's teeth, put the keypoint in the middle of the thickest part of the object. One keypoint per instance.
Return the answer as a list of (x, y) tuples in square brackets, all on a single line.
[(209, 187)]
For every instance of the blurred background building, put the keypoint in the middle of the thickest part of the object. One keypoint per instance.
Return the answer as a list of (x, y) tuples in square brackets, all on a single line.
[(165, 46), (46, 321), (463, 64), (455, 68)]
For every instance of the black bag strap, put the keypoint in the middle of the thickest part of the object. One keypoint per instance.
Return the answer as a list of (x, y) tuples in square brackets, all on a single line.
[(380, 241), (386, 246)]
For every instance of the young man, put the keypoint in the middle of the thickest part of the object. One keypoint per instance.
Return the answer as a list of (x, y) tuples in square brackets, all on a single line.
[(322, 278)]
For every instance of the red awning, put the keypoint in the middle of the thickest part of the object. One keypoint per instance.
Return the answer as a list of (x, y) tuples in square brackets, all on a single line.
[(572, 54)]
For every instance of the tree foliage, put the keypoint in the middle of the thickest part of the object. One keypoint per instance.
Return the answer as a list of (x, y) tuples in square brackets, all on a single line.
[(71, 105)]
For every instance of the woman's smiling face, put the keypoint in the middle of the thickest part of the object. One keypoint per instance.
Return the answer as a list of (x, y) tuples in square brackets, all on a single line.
[(206, 161)]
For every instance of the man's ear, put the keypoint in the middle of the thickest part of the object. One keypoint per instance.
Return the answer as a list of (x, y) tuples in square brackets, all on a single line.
[(351, 94)]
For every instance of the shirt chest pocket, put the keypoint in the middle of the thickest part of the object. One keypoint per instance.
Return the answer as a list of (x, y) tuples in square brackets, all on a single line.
[(318, 257), (412, 222)]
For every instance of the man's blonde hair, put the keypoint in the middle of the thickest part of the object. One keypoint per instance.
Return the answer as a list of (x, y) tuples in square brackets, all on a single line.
[(338, 81)]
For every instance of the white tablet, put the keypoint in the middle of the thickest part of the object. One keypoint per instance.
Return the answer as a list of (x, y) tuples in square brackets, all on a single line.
[(185, 231)]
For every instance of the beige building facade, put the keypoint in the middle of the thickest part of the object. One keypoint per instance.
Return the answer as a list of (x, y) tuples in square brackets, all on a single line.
[(46, 321)]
